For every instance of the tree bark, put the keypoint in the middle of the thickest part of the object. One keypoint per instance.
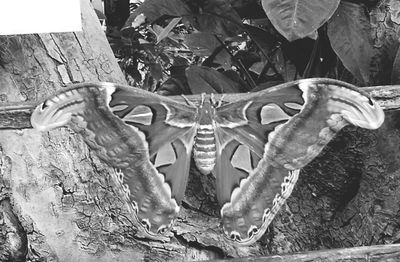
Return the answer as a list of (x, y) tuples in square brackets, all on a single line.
[(52, 189), (59, 202)]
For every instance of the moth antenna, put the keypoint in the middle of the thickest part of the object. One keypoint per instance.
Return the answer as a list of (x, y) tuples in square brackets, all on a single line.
[(219, 102), (212, 98), (190, 102)]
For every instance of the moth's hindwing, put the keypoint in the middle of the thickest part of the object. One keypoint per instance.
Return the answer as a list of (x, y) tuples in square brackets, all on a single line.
[(148, 138), (263, 139)]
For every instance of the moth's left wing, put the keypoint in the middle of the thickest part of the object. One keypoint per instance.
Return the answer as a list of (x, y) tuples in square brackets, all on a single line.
[(264, 138), (146, 136)]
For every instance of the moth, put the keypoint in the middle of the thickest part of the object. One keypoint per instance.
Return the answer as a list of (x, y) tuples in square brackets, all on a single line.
[(254, 143)]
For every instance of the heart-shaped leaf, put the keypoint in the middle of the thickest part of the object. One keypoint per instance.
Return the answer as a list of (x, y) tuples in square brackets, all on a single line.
[(296, 19)]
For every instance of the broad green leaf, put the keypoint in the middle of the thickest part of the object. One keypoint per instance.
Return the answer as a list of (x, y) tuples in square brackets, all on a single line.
[(296, 19), (207, 80), (349, 34)]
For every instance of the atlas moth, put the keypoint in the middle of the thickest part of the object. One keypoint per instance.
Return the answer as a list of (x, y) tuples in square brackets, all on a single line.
[(254, 143)]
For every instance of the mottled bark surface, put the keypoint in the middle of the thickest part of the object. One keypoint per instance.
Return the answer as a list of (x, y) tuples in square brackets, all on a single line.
[(59, 202)]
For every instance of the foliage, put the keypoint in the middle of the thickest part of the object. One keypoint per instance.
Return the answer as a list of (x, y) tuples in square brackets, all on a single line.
[(296, 19), (184, 46), (349, 32)]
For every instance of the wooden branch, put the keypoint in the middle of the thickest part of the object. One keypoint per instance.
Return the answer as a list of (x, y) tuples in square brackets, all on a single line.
[(17, 116), (388, 97), (367, 253)]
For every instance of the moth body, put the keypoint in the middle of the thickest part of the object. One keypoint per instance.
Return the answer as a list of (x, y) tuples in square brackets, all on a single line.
[(204, 149)]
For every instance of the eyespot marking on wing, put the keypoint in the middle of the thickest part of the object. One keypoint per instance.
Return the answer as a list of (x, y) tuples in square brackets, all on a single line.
[(235, 236), (272, 113), (162, 229), (253, 230), (146, 224)]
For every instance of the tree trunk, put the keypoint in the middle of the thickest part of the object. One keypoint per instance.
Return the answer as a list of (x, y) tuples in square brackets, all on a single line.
[(60, 202)]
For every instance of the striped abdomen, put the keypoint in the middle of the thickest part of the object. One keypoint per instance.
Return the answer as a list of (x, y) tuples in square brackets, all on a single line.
[(204, 150)]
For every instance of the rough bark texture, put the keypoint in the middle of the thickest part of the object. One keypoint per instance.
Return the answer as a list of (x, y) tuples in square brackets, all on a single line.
[(50, 183), (59, 198), (385, 32)]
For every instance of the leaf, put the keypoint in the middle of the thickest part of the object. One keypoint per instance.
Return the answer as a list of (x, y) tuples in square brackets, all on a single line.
[(165, 32), (152, 10), (296, 19), (98, 8), (396, 69), (174, 86), (138, 21), (349, 34), (257, 67), (208, 80), (262, 38), (224, 59), (156, 71), (218, 17), (236, 78), (285, 67), (202, 44)]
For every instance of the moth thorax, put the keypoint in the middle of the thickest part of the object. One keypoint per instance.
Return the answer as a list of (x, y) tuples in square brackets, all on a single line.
[(204, 150)]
